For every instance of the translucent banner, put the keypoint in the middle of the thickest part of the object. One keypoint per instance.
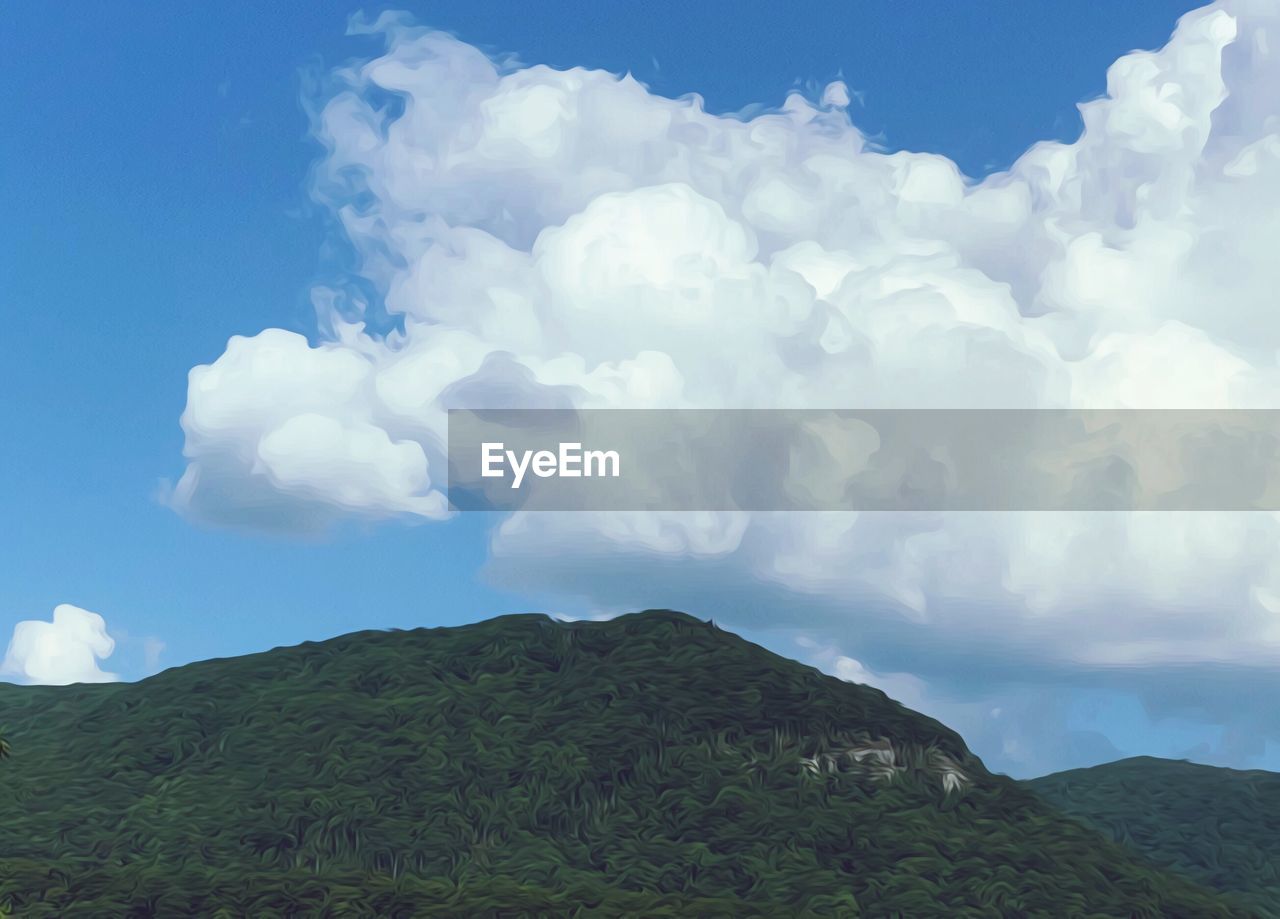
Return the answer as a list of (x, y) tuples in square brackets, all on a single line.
[(823, 460)]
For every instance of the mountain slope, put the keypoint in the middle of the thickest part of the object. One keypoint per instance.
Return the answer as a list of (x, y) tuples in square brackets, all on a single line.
[(1220, 826), (651, 765)]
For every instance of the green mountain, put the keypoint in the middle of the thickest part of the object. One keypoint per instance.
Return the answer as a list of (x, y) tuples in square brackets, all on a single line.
[(1220, 826), (653, 765)]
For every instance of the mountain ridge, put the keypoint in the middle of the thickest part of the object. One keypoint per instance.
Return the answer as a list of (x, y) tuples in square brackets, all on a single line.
[(1217, 825)]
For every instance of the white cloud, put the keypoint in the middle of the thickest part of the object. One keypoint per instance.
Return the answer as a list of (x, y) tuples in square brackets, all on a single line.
[(65, 650), (557, 238)]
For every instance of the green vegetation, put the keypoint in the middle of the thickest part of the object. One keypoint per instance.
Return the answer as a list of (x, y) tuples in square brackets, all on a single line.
[(1220, 826), (653, 765)]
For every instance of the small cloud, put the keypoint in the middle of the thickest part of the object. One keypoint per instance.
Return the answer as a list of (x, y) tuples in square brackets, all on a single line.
[(66, 650), (152, 648), (905, 688), (836, 95)]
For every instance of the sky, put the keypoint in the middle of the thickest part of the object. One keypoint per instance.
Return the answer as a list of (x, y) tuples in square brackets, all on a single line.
[(177, 177)]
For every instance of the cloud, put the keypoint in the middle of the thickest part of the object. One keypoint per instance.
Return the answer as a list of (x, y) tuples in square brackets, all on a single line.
[(152, 648), (532, 237), (66, 650)]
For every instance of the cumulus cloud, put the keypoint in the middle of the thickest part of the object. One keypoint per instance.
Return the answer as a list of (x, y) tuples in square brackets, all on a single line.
[(65, 650), (548, 238)]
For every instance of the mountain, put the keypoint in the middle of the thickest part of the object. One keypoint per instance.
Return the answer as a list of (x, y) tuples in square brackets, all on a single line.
[(1219, 826), (651, 765)]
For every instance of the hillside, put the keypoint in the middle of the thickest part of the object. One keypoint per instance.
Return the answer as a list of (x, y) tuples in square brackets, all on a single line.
[(1220, 826), (652, 765)]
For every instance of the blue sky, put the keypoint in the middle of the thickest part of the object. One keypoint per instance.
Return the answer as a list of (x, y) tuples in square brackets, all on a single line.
[(155, 166)]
